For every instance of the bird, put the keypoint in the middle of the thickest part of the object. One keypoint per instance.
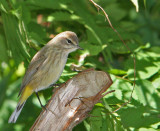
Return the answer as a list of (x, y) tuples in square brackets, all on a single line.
[(46, 67)]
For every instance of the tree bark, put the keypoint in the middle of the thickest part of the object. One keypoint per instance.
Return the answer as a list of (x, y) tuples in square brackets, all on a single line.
[(71, 102)]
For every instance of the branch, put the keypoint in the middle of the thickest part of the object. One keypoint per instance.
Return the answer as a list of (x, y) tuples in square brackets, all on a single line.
[(71, 103), (120, 37)]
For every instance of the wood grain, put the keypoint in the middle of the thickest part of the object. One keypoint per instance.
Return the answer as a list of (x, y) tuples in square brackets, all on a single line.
[(71, 103)]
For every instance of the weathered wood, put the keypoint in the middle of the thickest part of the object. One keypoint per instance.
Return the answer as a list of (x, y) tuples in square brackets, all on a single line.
[(71, 103)]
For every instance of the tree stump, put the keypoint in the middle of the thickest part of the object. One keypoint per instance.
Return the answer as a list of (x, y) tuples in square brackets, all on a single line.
[(71, 102)]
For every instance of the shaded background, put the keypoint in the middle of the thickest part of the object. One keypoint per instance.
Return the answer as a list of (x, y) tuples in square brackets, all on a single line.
[(27, 25)]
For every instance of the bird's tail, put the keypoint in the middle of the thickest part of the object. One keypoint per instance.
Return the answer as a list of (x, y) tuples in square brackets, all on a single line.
[(16, 113), (24, 96)]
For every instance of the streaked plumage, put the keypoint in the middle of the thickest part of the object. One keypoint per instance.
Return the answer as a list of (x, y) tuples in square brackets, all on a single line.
[(46, 67)]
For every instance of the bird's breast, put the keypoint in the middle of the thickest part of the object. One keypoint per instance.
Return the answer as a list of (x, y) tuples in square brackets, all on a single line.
[(51, 71)]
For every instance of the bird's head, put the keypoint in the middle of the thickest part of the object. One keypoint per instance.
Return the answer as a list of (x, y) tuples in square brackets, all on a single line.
[(67, 41)]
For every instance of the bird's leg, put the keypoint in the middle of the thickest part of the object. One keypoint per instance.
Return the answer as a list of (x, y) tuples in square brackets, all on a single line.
[(56, 86), (43, 107)]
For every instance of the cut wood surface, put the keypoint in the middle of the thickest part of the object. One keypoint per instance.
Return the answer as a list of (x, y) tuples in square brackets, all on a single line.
[(71, 102)]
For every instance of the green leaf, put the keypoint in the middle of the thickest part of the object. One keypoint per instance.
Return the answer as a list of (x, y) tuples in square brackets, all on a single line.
[(50, 4), (36, 29), (117, 72), (92, 49), (156, 83), (15, 38), (122, 89), (120, 11), (62, 16), (96, 122), (146, 93), (3, 87), (136, 117), (3, 48), (146, 65)]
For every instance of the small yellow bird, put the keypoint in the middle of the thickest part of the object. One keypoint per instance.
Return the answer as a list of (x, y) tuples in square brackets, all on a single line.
[(46, 67)]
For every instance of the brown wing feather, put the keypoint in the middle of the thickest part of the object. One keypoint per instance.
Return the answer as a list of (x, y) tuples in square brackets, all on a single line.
[(33, 67)]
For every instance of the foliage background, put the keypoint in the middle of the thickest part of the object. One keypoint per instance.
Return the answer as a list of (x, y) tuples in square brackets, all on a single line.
[(27, 25)]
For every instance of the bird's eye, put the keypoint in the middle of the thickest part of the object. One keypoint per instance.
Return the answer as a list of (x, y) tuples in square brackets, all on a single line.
[(69, 41)]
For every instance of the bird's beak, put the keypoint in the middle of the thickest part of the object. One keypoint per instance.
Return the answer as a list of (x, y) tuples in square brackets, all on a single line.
[(79, 47)]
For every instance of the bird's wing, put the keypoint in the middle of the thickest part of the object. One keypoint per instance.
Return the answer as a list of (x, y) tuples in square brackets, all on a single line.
[(36, 62)]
